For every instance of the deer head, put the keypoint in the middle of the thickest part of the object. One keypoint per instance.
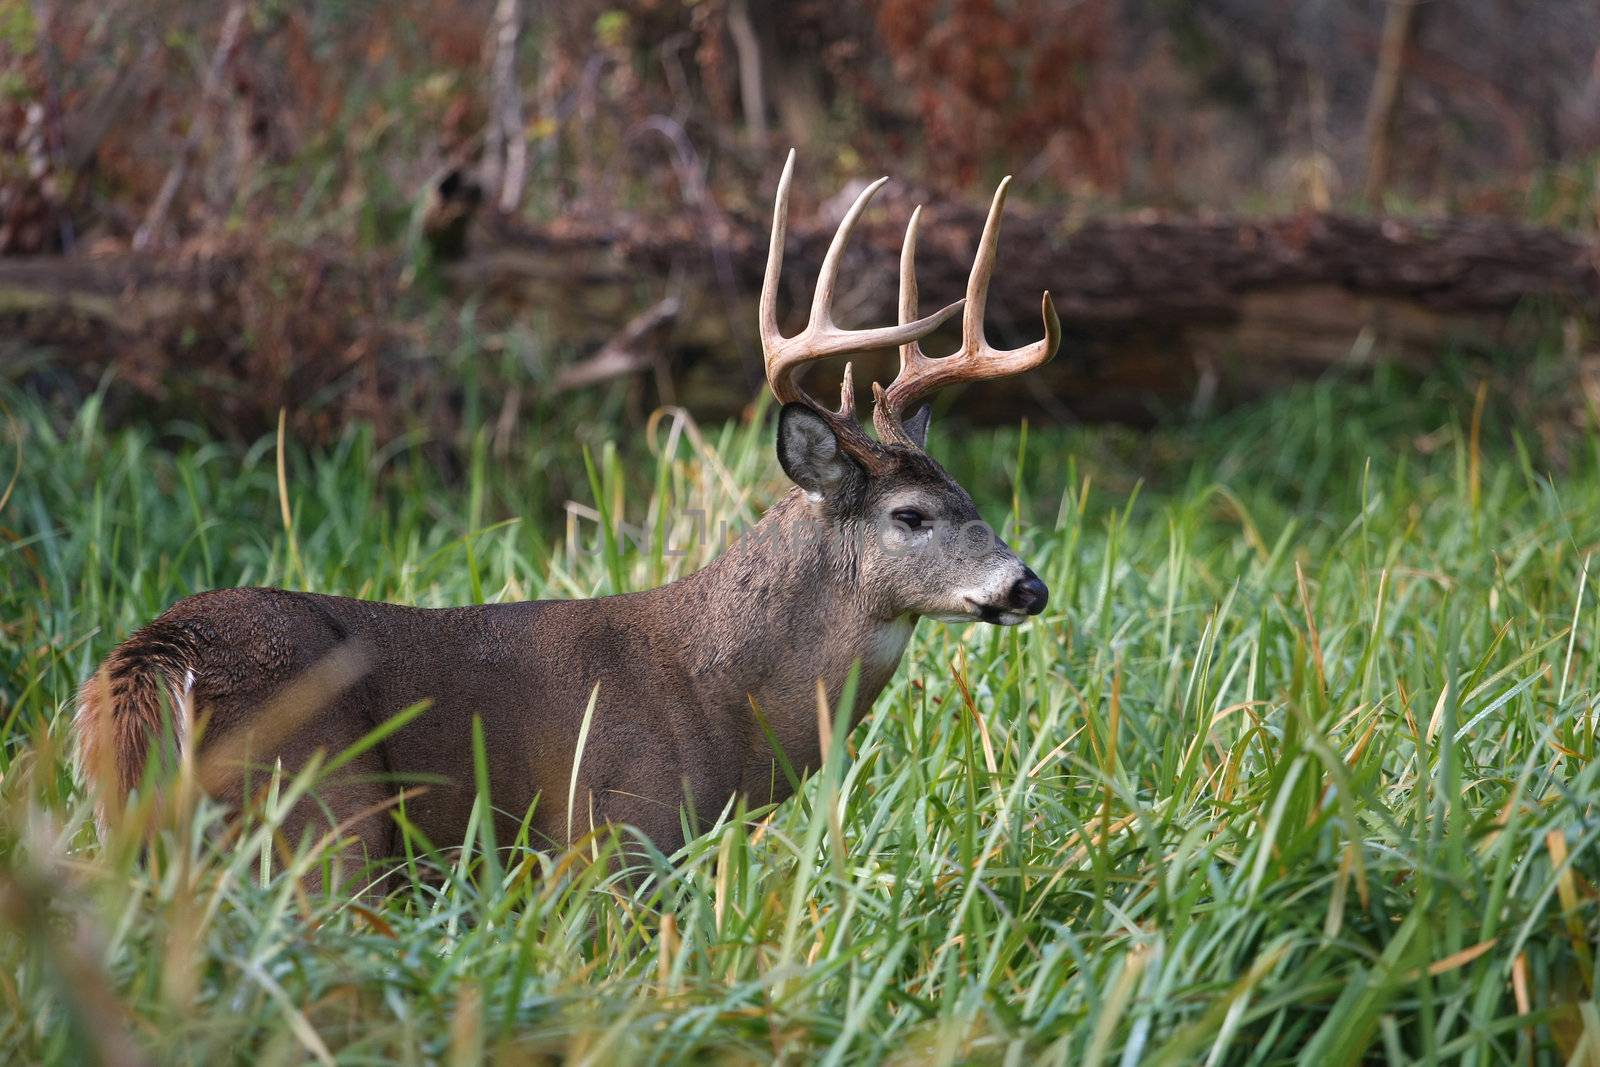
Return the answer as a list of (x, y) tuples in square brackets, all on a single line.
[(919, 546)]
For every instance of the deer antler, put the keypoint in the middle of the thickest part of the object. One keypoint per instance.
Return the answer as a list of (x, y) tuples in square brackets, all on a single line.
[(787, 356), (976, 359)]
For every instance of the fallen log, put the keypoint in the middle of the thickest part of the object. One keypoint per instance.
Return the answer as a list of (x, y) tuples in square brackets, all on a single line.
[(1159, 315)]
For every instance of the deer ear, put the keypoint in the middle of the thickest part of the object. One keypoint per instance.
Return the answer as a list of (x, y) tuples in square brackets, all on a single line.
[(916, 427), (810, 453)]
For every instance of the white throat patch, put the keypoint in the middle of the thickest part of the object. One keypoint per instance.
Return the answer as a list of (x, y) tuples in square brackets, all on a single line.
[(888, 644)]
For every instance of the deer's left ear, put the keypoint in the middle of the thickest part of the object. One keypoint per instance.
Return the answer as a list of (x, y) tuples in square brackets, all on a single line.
[(810, 452), (916, 427)]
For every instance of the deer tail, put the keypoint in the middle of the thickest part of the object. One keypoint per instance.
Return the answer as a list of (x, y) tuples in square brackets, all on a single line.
[(146, 682)]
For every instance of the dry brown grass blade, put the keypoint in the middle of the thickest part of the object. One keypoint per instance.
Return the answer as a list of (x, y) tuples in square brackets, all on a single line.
[(98, 1016)]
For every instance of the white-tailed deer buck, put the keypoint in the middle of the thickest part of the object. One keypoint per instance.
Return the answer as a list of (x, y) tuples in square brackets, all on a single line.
[(890, 538)]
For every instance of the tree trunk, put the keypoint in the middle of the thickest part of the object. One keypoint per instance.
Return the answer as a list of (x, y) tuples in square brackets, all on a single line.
[(1399, 29)]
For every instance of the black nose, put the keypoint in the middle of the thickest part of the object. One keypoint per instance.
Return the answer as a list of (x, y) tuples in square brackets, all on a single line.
[(1029, 594)]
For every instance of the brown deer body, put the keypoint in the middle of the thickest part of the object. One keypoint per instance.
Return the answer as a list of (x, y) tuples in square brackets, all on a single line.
[(874, 536)]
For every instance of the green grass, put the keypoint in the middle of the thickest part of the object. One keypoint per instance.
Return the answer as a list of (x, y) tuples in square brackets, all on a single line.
[(1298, 765)]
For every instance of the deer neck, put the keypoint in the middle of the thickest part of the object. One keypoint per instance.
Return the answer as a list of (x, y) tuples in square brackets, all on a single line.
[(780, 609)]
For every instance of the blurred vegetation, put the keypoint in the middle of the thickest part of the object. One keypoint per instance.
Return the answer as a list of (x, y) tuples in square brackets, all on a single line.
[(330, 119), (329, 161)]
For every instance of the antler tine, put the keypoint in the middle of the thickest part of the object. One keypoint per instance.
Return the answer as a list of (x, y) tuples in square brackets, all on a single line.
[(786, 356), (972, 339), (911, 351), (769, 282), (976, 359), (911, 354), (828, 274)]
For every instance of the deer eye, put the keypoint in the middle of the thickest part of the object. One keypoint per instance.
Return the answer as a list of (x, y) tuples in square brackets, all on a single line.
[(910, 518)]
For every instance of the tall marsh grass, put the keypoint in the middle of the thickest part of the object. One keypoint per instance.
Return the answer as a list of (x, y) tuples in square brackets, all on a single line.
[(1299, 765)]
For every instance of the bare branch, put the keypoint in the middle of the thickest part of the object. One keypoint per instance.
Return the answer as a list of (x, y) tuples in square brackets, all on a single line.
[(622, 354), (752, 88), (227, 41), (508, 141)]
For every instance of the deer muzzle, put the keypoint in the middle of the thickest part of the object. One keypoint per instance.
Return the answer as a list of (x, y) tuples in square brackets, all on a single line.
[(1029, 595)]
